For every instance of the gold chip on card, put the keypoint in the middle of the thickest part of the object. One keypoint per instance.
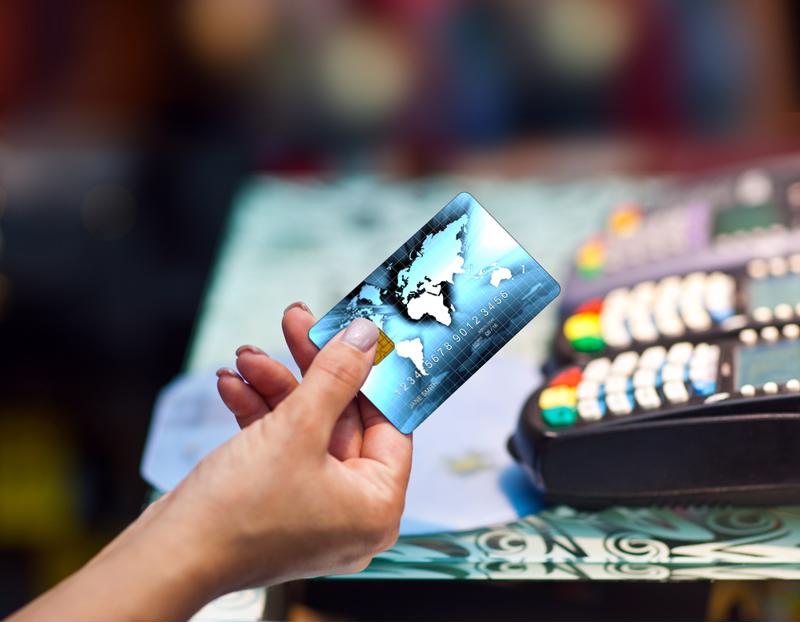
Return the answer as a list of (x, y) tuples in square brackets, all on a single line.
[(385, 347)]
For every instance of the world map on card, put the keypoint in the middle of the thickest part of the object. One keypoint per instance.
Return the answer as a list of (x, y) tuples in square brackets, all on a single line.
[(447, 300)]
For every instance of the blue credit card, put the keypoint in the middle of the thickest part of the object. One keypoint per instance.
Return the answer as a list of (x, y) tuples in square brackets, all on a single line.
[(446, 302)]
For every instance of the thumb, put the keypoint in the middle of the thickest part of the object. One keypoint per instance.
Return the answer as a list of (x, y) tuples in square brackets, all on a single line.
[(335, 376)]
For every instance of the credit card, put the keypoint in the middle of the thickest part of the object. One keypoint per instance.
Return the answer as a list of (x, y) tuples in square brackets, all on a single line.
[(446, 302)]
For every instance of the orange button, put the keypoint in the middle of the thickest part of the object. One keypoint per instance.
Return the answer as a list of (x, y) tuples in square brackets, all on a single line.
[(625, 219)]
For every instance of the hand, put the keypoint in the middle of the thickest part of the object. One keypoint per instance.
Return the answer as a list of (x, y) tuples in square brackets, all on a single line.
[(314, 484)]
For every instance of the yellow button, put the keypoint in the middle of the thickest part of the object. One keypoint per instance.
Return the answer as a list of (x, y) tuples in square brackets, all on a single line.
[(591, 254), (553, 397), (582, 325)]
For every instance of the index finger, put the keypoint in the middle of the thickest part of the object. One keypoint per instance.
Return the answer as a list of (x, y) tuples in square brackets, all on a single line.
[(296, 322)]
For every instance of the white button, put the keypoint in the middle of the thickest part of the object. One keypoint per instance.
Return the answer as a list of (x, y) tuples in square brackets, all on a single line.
[(794, 263), (667, 293), (705, 351), (770, 333), (676, 392), (590, 410), (758, 268), (624, 363), (669, 285), (642, 328), (770, 387), (793, 385), (748, 336), (734, 322), (587, 389), (748, 390), (665, 307), (616, 384), (720, 291), (762, 314), (721, 280), (791, 331), (619, 403), (644, 378), (672, 372), (694, 282), (777, 266), (617, 339), (613, 316), (597, 369), (617, 299), (653, 357), (670, 324), (696, 318), (647, 398), (612, 326), (644, 292), (717, 397), (692, 294), (680, 352), (689, 304), (699, 373), (703, 369), (784, 312)]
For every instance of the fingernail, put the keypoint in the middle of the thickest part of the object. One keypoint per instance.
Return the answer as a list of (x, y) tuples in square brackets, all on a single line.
[(299, 305), (361, 333), (226, 371), (251, 349)]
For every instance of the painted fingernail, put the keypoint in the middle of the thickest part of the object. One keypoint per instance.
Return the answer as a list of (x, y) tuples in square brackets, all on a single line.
[(298, 305), (361, 333), (251, 349), (227, 372)]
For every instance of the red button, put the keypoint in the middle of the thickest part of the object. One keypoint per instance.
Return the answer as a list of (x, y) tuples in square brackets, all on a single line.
[(595, 305), (569, 377)]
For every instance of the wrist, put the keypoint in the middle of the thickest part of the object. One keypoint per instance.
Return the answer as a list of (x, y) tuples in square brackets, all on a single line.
[(167, 568), (148, 572), (181, 553)]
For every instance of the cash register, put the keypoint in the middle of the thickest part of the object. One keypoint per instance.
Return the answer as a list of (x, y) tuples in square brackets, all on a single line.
[(675, 371)]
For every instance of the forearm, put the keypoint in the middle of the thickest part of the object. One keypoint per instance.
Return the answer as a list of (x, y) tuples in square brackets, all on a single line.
[(149, 572)]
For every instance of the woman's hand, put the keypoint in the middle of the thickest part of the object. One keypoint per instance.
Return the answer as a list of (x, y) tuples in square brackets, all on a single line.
[(316, 481), (313, 484)]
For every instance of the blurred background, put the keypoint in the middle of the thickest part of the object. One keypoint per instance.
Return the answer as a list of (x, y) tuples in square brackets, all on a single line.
[(126, 127)]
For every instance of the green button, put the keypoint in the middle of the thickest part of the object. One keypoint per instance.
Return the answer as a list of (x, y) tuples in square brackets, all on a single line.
[(590, 272), (588, 344), (559, 416)]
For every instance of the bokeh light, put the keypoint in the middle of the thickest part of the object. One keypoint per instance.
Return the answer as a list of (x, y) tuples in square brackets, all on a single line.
[(108, 212)]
